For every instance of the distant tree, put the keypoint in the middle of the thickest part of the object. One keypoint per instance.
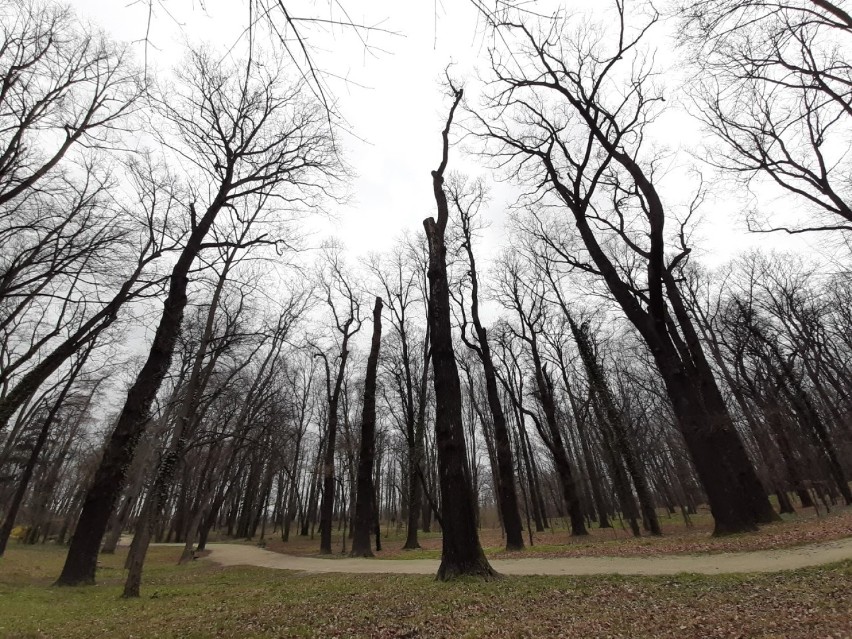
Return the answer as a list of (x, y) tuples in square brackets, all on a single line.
[(406, 364), (48, 422), (364, 519), (511, 375), (612, 422), (466, 202), (344, 305), (520, 289)]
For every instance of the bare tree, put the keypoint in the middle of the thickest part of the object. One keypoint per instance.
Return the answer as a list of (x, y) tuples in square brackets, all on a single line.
[(461, 552), (612, 422), (54, 312), (70, 379), (570, 112), (364, 518), (467, 202), (64, 227), (63, 86), (249, 134), (343, 302), (406, 364), (522, 291), (773, 85), (189, 414)]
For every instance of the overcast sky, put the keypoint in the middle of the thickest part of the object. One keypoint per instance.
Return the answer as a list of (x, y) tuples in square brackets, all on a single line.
[(393, 105)]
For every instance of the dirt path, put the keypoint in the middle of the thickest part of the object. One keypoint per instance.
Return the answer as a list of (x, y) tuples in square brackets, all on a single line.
[(757, 561)]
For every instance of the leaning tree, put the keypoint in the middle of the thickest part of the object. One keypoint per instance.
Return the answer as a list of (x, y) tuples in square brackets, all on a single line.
[(570, 111), (244, 131)]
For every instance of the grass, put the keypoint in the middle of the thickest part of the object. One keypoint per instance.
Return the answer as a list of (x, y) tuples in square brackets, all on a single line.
[(204, 600)]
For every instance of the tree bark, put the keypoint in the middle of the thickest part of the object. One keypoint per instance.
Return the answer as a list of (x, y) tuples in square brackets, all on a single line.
[(416, 486), (508, 498), (328, 487), (364, 516), (82, 559), (461, 552)]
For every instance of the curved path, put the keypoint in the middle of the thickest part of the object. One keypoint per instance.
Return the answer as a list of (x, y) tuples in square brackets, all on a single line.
[(708, 564)]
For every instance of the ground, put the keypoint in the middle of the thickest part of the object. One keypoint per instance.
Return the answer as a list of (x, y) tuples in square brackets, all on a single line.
[(203, 599), (793, 558), (805, 527)]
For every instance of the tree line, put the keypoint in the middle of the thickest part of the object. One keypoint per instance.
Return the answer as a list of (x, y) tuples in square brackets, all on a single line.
[(177, 363)]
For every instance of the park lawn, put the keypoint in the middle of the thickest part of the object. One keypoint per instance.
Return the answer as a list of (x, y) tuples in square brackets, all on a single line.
[(204, 600)]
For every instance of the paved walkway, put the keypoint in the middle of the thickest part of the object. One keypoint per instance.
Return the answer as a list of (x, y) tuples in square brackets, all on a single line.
[(708, 564)]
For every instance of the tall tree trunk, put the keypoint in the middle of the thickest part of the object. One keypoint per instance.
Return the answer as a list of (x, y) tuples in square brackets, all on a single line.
[(813, 423), (508, 498), (532, 479), (613, 420), (461, 552), (554, 441), (328, 482), (416, 508), (737, 499), (364, 517), (620, 481), (328, 487), (81, 562), (591, 463)]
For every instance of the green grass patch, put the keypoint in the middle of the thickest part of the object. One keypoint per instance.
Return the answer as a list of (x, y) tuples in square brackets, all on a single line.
[(203, 600)]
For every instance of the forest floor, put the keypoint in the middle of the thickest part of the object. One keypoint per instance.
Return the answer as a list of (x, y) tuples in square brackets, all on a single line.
[(202, 599), (707, 564), (805, 527)]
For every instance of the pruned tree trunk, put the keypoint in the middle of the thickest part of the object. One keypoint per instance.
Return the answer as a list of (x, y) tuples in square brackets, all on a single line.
[(461, 552), (364, 516)]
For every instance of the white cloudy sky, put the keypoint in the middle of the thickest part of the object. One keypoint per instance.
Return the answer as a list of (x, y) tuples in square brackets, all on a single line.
[(397, 112)]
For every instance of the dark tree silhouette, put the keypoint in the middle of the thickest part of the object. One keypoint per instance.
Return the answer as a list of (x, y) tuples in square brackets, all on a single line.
[(522, 291), (345, 307), (401, 277), (364, 519), (574, 124), (467, 205), (249, 135), (461, 552)]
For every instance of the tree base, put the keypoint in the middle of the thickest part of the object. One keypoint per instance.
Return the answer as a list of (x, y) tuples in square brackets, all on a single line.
[(479, 568), (724, 529), (768, 517), (87, 581)]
